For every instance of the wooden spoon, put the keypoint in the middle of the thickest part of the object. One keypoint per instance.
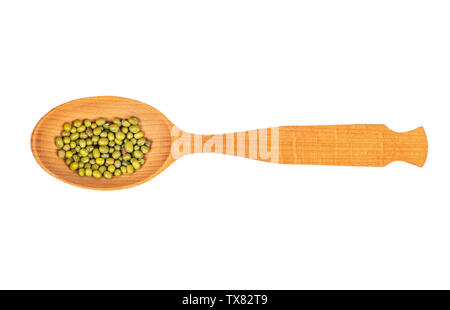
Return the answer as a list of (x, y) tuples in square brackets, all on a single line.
[(342, 145)]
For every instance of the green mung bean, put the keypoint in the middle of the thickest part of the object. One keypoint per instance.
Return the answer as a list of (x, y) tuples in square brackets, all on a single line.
[(96, 148)]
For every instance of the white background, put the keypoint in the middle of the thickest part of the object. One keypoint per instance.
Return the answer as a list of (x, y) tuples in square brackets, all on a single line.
[(218, 222)]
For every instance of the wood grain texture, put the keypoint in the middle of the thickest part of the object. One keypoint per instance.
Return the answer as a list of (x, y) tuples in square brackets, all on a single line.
[(351, 145), (341, 145), (338, 145)]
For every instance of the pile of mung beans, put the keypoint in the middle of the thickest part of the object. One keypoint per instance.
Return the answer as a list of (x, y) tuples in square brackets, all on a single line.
[(101, 148)]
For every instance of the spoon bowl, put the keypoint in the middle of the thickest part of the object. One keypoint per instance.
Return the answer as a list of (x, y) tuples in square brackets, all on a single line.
[(154, 124)]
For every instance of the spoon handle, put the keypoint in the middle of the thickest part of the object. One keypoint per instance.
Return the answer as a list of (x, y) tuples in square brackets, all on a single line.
[(341, 145)]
